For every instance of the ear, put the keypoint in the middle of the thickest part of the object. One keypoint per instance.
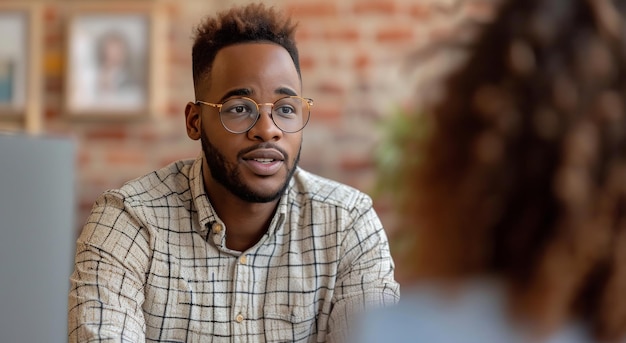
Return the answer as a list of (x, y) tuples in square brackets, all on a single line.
[(192, 120)]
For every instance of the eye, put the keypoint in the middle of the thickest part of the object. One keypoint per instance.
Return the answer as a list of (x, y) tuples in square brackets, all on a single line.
[(238, 107), (287, 108)]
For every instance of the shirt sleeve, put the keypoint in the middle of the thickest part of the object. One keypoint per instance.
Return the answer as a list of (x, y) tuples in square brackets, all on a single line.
[(366, 272), (106, 290)]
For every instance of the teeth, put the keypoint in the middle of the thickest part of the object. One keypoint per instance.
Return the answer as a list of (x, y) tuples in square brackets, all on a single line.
[(264, 160)]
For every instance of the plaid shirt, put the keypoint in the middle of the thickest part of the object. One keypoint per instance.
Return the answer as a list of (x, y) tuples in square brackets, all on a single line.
[(152, 265)]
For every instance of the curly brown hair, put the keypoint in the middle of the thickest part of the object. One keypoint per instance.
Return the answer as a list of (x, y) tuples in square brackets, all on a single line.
[(524, 170), (242, 24)]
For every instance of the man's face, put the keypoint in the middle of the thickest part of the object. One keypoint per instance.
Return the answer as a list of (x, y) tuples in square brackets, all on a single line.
[(257, 165)]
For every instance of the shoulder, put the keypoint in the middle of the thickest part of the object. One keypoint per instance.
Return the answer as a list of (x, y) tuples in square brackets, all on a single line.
[(172, 179), (155, 189), (317, 189)]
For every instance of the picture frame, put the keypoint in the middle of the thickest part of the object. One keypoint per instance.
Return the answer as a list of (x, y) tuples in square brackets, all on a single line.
[(20, 67), (110, 61), (13, 57)]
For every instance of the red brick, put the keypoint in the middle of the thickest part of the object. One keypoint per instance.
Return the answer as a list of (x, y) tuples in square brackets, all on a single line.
[(395, 34), (420, 11), (182, 58), (303, 34), (384, 7), (51, 113), (362, 61), (85, 206), (53, 84), (50, 14), (52, 36), (441, 33), (149, 137), (112, 133), (330, 88), (174, 109), (307, 63), (173, 10), (322, 113), (83, 159), (344, 35), (384, 203), (312, 9), (480, 10), (165, 160), (125, 157), (352, 164)]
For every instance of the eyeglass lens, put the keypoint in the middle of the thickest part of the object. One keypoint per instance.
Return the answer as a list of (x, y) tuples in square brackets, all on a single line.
[(290, 114)]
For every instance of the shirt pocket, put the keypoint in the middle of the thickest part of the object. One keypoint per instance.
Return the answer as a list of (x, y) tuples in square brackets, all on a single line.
[(295, 323)]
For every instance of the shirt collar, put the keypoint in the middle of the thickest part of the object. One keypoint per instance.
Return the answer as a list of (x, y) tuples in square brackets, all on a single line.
[(206, 212)]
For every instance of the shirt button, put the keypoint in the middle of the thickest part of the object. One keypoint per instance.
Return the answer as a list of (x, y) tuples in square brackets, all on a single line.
[(217, 228), (239, 318), (243, 259)]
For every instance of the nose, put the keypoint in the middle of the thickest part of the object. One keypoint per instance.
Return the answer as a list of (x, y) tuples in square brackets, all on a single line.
[(264, 129)]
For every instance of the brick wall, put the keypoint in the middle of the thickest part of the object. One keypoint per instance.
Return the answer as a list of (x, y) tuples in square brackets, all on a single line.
[(357, 64)]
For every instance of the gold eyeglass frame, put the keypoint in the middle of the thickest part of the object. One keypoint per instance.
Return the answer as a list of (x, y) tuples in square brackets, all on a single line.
[(307, 101)]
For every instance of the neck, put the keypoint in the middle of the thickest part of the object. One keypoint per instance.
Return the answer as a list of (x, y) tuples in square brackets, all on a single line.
[(245, 222)]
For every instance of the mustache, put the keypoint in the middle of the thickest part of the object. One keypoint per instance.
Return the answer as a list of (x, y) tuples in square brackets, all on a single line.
[(264, 145)]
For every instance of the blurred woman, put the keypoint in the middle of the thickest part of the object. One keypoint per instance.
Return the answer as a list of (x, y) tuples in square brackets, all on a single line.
[(519, 203)]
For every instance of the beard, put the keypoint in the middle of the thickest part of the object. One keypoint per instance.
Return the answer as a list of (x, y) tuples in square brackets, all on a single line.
[(229, 175)]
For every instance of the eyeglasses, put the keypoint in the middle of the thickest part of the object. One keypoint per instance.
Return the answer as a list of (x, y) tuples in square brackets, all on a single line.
[(238, 115)]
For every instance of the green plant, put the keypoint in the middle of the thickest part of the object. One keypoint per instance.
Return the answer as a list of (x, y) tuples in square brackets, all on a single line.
[(398, 153), (396, 158)]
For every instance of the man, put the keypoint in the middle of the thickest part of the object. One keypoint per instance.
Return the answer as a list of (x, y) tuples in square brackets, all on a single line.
[(239, 244)]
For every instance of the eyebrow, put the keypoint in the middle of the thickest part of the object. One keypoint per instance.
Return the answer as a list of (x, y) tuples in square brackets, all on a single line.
[(286, 91), (248, 92), (236, 92)]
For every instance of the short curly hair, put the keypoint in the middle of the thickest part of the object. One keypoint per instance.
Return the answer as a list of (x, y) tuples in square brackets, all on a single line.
[(250, 23), (523, 175)]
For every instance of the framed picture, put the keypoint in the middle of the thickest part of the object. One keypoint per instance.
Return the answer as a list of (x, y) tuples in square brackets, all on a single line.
[(109, 62), (13, 60), (20, 67)]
